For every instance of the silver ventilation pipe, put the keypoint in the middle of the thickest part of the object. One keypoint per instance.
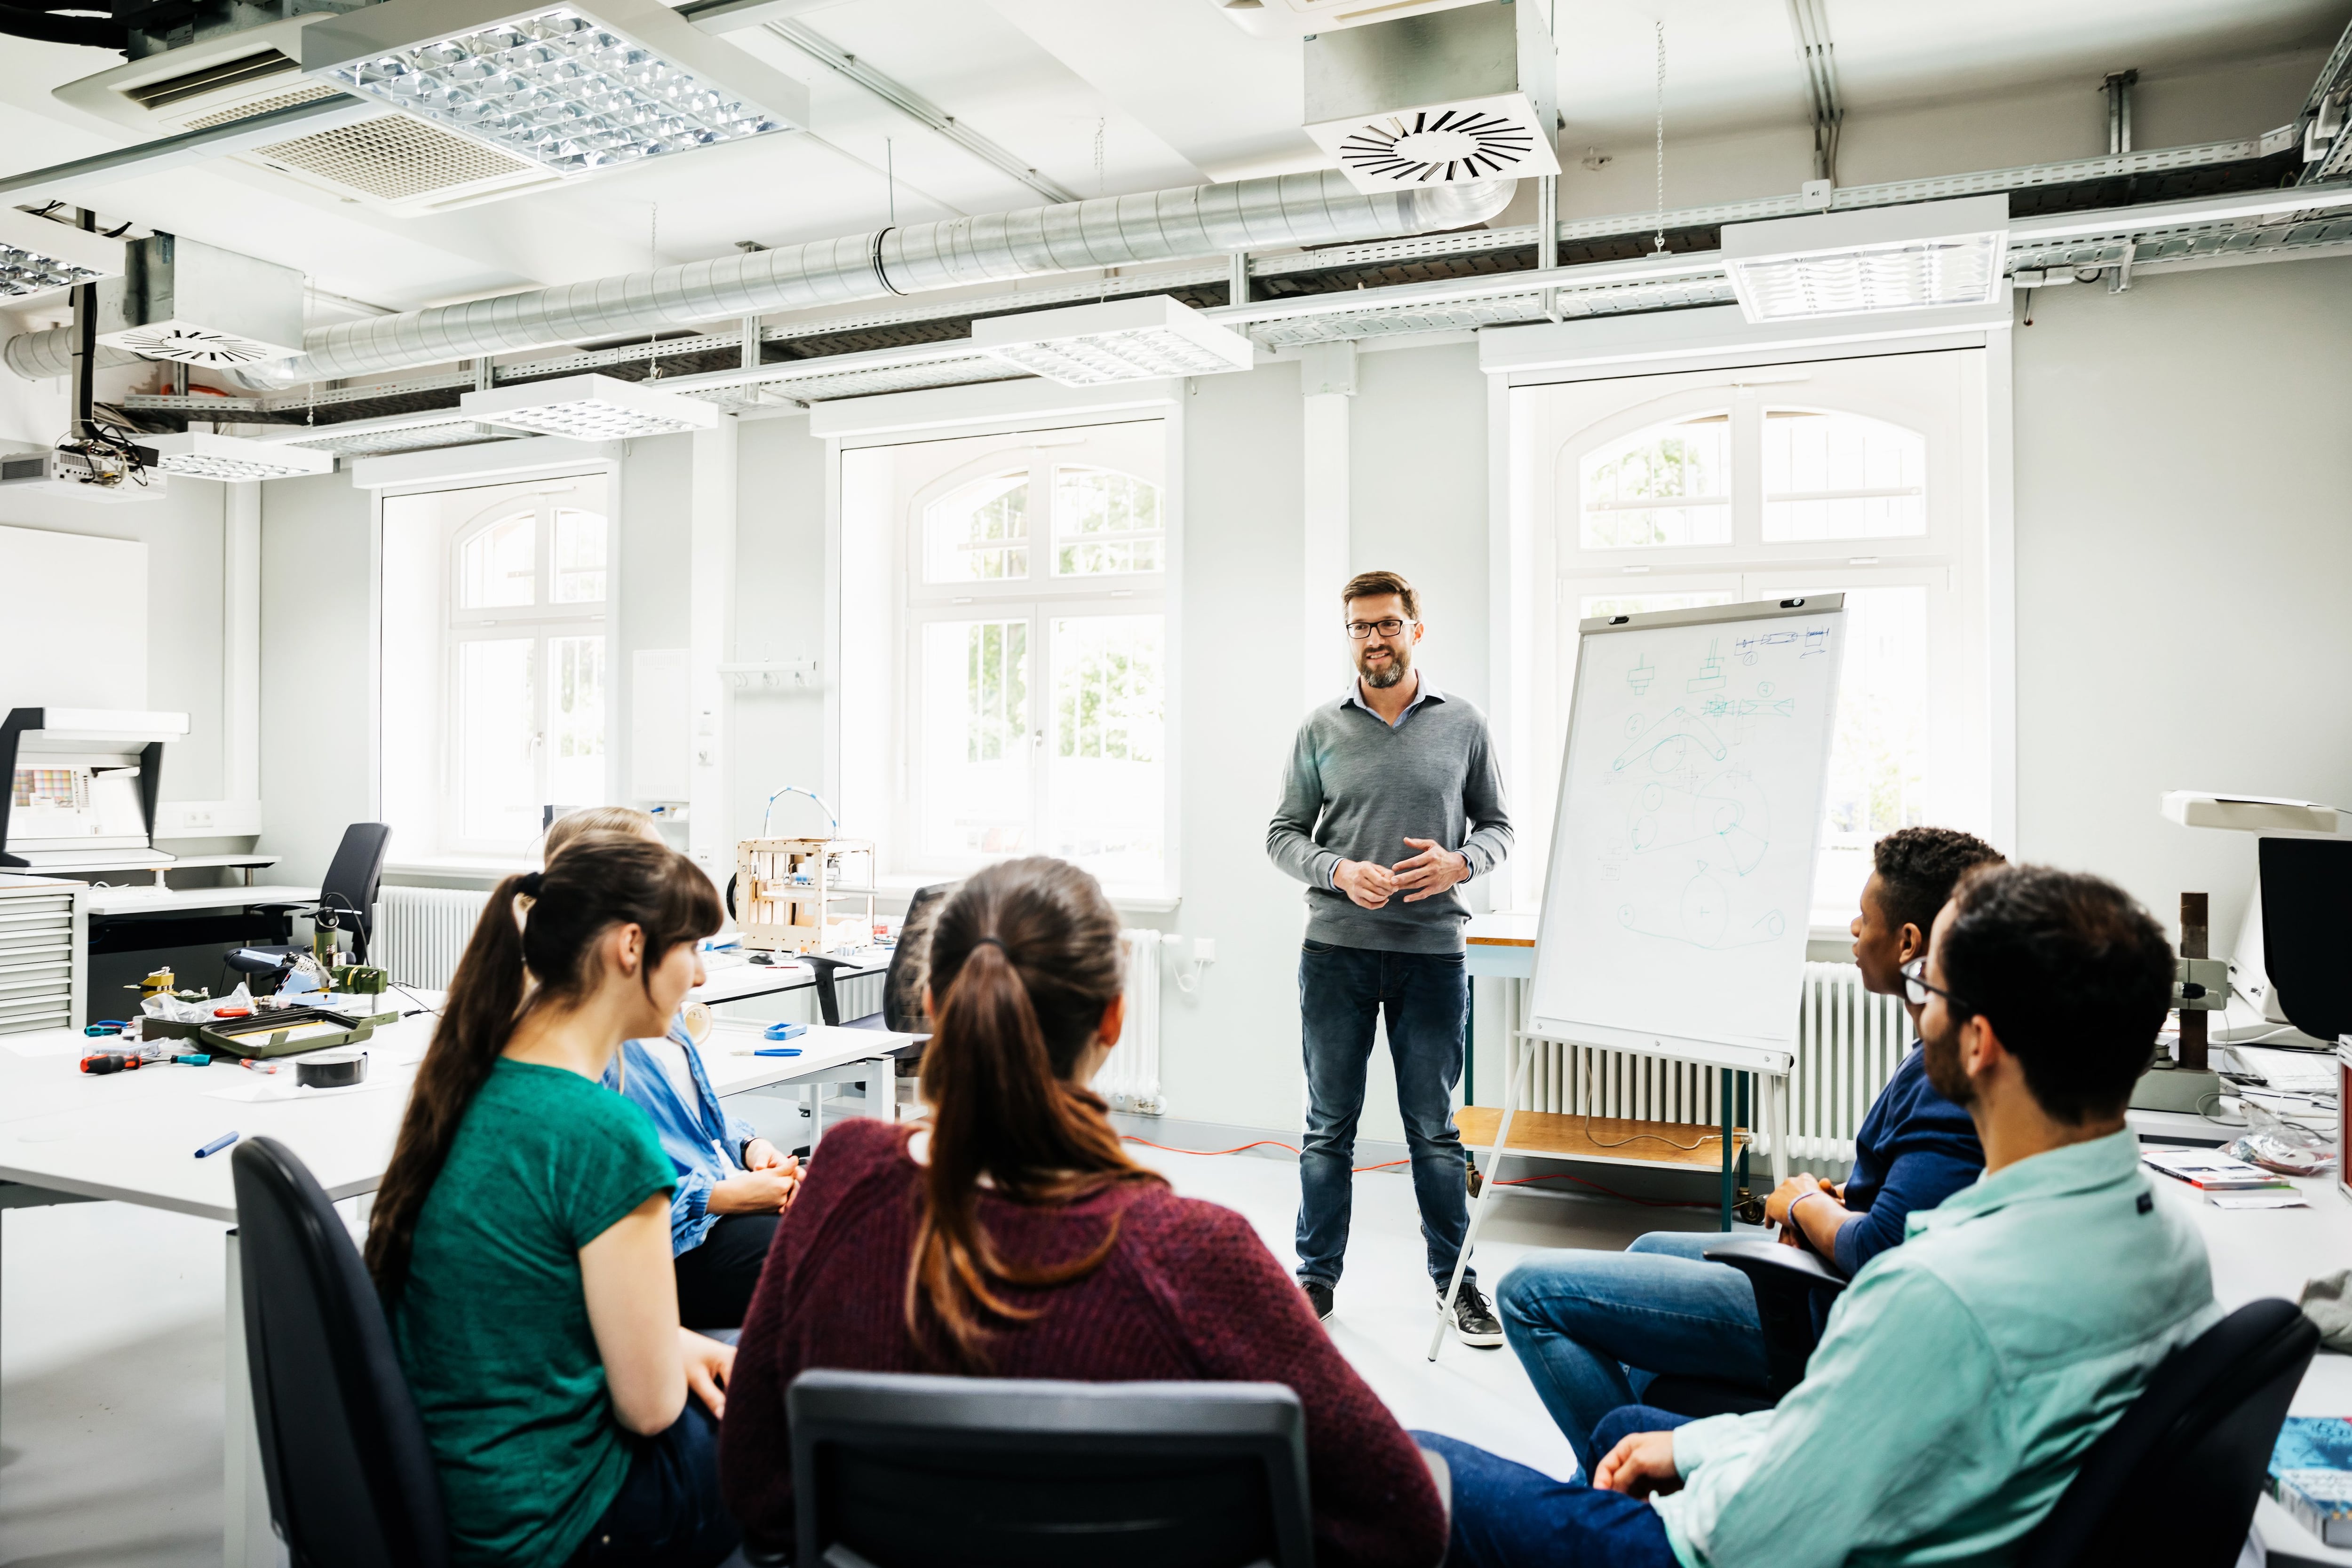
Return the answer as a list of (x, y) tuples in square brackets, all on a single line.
[(47, 356), (1320, 208)]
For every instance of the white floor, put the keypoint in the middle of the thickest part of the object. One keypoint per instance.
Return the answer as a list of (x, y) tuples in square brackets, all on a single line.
[(111, 1352)]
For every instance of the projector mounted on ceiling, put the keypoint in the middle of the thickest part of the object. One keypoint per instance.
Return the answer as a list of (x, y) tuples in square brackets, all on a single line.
[(1442, 98), (1919, 258)]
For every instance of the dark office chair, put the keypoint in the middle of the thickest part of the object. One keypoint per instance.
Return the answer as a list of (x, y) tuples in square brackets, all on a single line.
[(2176, 1479), (347, 895), (1793, 1292), (902, 991), (352, 1482), (1011, 1473)]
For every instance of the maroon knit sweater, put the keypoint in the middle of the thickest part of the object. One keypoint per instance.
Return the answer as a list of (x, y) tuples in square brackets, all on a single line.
[(1189, 1293)]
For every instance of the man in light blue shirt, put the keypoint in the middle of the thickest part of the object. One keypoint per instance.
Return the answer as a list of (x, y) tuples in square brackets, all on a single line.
[(1965, 1374)]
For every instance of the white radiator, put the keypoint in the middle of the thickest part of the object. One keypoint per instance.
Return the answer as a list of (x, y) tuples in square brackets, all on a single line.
[(421, 932), (1130, 1079), (1849, 1043)]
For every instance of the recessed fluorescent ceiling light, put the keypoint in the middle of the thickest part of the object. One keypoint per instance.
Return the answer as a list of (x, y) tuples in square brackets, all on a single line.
[(200, 455), (1119, 341), (589, 408), (1916, 258), (37, 255), (570, 88)]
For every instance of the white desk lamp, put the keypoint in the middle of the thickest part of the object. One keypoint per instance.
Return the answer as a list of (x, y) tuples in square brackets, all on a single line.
[(2277, 818)]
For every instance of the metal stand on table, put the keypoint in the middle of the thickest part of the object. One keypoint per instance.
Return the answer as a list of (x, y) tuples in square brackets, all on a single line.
[(1772, 1104)]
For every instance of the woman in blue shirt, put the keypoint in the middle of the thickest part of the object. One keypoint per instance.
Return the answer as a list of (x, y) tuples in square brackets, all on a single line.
[(732, 1184)]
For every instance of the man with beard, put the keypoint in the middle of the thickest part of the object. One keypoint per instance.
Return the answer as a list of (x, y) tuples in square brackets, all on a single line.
[(1594, 1327), (1965, 1373), (1392, 801)]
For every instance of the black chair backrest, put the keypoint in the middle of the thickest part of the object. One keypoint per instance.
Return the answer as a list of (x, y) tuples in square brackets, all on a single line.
[(1793, 1292), (354, 876), (351, 1479), (2176, 1479), (908, 1471), (902, 990)]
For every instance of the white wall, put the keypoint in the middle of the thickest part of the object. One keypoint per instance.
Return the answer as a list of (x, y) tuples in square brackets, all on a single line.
[(2184, 550), (780, 614), (184, 538), (318, 645)]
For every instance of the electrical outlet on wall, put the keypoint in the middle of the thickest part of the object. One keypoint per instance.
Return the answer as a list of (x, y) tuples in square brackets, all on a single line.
[(1204, 949)]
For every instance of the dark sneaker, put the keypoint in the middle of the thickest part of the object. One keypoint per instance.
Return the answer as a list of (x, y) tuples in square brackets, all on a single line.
[(1318, 1296), (1474, 1322)]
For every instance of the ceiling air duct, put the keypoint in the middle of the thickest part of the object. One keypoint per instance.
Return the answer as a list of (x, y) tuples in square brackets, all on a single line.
[(181, 300), (1438, 98)]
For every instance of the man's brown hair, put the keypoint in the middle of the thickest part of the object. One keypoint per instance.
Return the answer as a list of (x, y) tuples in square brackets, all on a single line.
[(1373, 584)]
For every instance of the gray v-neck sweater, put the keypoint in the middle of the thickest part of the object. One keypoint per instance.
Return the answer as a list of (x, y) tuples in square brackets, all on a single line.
[(1355, 789)]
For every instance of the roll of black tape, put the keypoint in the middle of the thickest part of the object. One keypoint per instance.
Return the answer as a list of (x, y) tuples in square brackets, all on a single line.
[(332, 1070)]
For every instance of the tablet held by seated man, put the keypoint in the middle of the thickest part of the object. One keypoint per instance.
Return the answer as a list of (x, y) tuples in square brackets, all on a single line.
[(1966, 1372), (1592, 1328)]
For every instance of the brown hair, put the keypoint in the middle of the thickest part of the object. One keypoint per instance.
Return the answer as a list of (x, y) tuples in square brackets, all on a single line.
[(532, 948), (1024, 959), (1373, 584), (594, 820)]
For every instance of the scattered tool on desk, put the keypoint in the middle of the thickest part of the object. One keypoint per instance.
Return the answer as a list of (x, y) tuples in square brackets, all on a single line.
[(216, 1145), (331, 1069), (784, 1030), (772, 1050), (106, 1026)]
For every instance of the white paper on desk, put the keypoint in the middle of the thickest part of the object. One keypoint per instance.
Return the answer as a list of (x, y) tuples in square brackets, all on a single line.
[(2258, 1200), (262, 1088), (58, 1042)]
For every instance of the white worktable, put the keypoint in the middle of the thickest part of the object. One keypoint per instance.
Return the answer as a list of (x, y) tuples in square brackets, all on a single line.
[(2260, 1252), (113, 900), (131, 1137), (98, 865), (734, 980)]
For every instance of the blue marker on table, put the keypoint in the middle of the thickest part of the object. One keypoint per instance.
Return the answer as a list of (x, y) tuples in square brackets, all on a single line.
[(216, 1145), (778, 1051)]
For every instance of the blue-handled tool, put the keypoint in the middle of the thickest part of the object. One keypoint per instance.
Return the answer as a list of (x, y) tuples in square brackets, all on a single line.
[(784, 1030), (216, 1145)]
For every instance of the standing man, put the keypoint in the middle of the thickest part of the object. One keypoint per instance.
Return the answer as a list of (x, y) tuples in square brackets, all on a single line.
[(1392, 799)]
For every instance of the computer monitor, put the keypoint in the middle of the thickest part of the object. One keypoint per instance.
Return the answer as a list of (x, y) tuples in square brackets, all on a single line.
[(2307, 930)]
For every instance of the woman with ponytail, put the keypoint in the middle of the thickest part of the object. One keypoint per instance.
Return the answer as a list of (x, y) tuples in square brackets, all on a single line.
[(521, 1237), (1010, 1236)]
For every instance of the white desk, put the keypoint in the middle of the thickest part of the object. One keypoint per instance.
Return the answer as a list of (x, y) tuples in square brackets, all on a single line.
[(110, 900), (96, 865), (741, 981), (2260, 1252), (131, 1137)]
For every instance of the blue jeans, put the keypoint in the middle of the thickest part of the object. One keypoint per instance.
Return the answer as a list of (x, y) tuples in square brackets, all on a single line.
[(1425, 999), (1594, 1328), (1509, 1516), (668, 1513)]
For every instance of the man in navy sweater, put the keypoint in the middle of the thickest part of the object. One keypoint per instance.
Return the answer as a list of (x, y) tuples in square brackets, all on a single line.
[(1594, 1328)]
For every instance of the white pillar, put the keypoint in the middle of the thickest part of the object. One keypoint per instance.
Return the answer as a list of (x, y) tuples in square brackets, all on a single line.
[(241, 654), (710, 613), (1326, 379)]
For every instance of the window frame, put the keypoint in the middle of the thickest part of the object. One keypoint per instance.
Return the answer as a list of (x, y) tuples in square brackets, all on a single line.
[(1952, 558), (914, 602), (447, 848)]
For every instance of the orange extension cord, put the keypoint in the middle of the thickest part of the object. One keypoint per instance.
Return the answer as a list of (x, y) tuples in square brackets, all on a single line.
[(1517, 1181)]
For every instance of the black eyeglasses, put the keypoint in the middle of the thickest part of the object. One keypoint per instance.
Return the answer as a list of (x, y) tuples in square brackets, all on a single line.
[(1360, 629), (1916, 988)]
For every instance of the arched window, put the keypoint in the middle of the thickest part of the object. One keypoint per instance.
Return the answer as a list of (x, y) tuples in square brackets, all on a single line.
[(1036, 638), (1829, 475), (1104, 521), (979, 532), (1668, 485)]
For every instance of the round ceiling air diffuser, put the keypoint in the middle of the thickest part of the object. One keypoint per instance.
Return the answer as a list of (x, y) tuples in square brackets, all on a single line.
[(193, 345), (1444, 145)]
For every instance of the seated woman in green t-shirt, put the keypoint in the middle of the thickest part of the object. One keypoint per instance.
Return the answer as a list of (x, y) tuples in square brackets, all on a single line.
[(521, 1238)]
